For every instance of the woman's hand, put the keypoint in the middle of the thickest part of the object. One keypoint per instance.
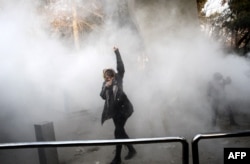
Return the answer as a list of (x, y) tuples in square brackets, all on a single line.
[(108, 83), (115, 48)]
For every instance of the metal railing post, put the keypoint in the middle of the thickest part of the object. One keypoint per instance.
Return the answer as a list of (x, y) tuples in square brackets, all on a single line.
[(185, 151)]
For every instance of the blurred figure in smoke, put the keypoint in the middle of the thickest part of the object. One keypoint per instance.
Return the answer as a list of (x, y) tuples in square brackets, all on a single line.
[(217, 98), (117, 105)]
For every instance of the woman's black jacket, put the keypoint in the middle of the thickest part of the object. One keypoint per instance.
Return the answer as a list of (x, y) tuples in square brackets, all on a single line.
[(116, 101)]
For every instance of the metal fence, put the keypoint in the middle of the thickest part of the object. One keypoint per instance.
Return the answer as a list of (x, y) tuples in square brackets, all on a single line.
[(198, 137), (183, 141)]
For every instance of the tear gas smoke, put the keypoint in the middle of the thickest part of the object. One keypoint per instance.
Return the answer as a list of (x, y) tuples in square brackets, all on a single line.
[(42, 78)]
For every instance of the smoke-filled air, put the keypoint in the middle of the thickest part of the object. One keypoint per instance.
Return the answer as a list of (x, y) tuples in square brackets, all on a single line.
[(49, 75)]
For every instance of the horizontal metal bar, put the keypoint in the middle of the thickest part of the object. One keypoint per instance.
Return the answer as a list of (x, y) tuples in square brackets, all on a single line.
[(221, 135), (21, 145), (198, 137), (88, 142)]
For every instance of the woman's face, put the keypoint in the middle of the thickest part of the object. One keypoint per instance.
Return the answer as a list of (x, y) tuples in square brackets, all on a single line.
[(108, 78)]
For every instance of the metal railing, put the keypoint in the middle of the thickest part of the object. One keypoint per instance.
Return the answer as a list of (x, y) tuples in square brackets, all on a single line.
[(183, 141), (42, 144), (198, 137)]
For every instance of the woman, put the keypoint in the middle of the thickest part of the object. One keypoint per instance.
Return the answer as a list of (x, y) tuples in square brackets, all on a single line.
[(117, 105)]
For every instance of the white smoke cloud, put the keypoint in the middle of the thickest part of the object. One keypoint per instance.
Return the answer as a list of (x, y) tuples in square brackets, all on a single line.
[(41, 77), (181, 63)]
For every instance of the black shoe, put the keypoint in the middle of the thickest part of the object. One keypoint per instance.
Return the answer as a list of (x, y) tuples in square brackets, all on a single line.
[(116, 161), (130, 155)]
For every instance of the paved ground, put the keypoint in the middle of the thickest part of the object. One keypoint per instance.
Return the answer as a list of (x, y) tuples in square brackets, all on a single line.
[(211, 151), (85, 125), (150, 153)]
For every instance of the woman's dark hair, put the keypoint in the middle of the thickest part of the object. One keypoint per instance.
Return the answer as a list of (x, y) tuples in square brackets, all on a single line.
[(109, 72)]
